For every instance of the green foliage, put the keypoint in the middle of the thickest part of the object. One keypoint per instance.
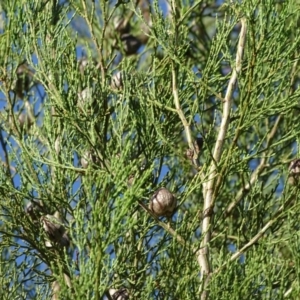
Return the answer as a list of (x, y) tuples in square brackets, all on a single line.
[(78, 142)]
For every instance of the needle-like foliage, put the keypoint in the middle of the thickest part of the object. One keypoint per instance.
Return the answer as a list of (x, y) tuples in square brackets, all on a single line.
[(107, 104)]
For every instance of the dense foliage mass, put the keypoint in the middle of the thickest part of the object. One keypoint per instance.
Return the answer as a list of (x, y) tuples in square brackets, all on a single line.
[(149, 149)]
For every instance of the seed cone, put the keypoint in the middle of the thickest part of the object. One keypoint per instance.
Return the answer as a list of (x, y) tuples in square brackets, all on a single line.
[(163, 203), (294, 172), (87, 158), (130, 44), (24, 78), (120, 294), (294, 167), (117, 80), (55, 230), (34, 209)]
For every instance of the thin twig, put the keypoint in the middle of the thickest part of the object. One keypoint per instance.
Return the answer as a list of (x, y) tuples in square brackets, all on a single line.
[(182, 117), (170, 230), (254, 240)]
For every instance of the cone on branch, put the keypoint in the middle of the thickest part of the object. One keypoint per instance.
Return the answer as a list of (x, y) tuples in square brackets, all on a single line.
[(120, 294), (198, 144), (35, 209), (55, 231), (87, 158), (131, 44), (24, 79), (294, 172), (163, 203), (117, 81)]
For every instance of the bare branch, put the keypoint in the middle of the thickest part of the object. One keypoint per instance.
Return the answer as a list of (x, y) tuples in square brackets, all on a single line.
[(203, 254)]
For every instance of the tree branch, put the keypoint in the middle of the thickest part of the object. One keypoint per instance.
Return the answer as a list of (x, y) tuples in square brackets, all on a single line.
[(203, 253)]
